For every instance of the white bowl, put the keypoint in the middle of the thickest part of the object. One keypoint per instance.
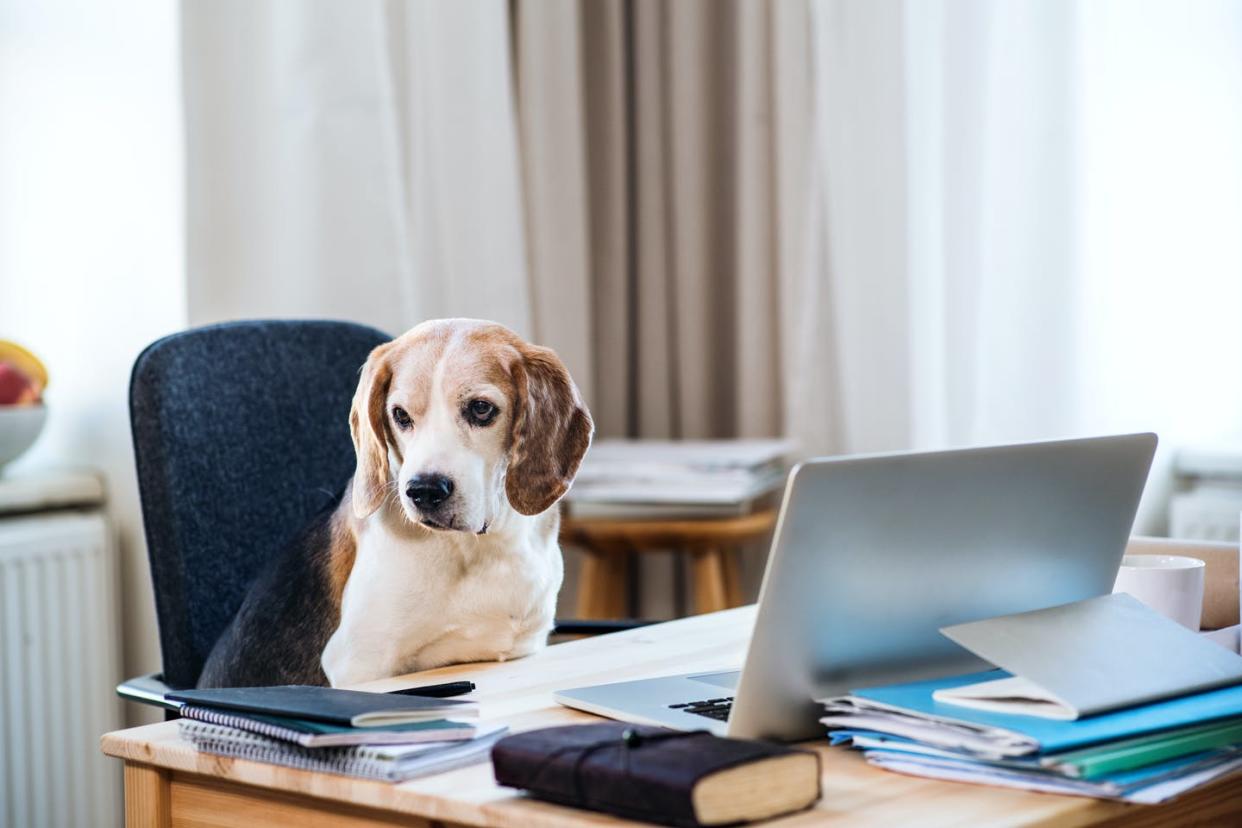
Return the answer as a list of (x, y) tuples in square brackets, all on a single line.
[(19, 428)]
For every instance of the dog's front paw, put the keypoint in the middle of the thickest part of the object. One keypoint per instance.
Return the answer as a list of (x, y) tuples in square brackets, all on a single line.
[(524, 646), (345, 664), (348, 672)]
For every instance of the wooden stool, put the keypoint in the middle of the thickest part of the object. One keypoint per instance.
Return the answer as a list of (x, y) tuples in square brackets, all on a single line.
[(711, 543)]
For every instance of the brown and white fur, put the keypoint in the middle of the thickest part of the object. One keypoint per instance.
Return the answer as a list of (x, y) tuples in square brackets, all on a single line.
[(443, 548)]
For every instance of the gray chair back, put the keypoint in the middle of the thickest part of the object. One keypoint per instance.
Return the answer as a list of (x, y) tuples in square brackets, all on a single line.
[(241, 435)]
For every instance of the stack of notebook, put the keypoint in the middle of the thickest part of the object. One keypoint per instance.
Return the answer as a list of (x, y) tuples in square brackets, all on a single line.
[(372, 735), (676, 478), (1102, 698)]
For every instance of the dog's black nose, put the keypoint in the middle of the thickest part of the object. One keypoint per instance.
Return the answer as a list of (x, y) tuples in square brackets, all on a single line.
[(429, 490)]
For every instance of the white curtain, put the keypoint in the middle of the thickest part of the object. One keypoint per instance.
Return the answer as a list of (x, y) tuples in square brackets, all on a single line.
[(355, 160), (1021, 221), (1028, 221)]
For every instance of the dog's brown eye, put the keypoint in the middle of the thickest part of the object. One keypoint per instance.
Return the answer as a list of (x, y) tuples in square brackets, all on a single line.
[(480, 412), (400, 417)]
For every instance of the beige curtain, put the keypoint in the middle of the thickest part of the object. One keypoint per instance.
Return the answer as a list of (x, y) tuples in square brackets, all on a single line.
[(664, 150), (665, 153), (352, 160)]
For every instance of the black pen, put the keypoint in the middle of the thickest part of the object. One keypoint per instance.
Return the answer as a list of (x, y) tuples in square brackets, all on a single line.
[(438, 691)]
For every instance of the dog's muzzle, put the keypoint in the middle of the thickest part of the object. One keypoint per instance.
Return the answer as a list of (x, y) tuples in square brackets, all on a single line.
[(429, 491)]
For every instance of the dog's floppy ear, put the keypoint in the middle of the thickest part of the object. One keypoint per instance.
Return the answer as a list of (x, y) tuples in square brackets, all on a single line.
[(551, 432), (368, 423)]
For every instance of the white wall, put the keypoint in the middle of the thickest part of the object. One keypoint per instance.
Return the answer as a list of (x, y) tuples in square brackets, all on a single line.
[(1032, 221), (91, 262)]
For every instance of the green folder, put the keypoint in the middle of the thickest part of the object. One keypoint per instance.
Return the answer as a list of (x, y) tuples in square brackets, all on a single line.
[(1127, 754)]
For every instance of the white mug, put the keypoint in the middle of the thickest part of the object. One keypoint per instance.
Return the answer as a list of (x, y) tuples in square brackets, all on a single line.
[(1172, 585)]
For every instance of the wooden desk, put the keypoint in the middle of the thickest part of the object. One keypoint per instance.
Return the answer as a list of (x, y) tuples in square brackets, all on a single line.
[(167, 783)]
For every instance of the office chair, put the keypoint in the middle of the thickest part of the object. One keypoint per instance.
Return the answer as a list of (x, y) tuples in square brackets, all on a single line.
[(241, 436)]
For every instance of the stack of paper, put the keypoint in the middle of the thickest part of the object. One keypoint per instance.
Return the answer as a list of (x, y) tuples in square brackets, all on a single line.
[(385, 762), (1145, 754), (372, 735), (1104, 698), (676, 478)]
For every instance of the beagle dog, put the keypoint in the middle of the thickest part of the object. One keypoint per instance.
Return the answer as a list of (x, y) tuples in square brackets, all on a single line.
[(443, 548)]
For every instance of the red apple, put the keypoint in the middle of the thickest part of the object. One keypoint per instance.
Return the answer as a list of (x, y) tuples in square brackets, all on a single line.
[(15, 387)]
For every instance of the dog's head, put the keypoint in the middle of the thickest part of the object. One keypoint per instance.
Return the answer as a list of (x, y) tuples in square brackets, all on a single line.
[(461, 420)]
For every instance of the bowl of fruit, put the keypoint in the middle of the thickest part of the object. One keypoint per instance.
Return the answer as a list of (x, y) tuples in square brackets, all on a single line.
[(22, 413)]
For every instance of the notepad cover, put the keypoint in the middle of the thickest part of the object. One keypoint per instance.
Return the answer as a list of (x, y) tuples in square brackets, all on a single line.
[(1102, 654), (349, 708)]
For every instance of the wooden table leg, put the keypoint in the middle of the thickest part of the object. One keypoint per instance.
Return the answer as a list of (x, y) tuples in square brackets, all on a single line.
[(708, 574), (732, 577), (148, 800), (603, 584), (591, 581)]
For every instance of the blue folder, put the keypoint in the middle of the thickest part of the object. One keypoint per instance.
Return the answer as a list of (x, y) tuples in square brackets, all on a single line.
[(1052, 735)]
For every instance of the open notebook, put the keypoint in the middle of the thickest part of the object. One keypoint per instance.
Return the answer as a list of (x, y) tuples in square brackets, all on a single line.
[(1086, 658)]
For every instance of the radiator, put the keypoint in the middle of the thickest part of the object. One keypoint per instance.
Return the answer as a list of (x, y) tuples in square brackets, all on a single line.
[(58, 667)]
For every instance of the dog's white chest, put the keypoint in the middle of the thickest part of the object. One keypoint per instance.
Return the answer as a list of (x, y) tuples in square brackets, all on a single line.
[(446, 599)]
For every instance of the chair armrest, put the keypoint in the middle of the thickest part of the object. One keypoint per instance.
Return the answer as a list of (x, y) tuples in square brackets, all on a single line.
[(148, 689), (574, 626)]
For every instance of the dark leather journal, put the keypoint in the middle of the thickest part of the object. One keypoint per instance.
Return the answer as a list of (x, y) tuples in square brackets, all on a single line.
[(650, 773)]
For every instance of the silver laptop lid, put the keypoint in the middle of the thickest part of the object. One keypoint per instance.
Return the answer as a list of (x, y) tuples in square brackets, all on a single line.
[(873, 554)]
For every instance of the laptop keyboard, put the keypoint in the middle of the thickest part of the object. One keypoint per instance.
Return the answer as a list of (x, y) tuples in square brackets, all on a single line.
[(717, 709)]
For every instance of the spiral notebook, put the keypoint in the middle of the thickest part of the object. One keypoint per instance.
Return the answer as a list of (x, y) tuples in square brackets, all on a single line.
[(386, 763), (310, 733)]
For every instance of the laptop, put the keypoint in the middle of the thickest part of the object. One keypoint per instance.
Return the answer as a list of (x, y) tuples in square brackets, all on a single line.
[(872, 555)]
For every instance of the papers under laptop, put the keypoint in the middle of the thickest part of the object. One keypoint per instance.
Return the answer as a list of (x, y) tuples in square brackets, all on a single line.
[(1105, 698), (1086, 658), (1078, 674)]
